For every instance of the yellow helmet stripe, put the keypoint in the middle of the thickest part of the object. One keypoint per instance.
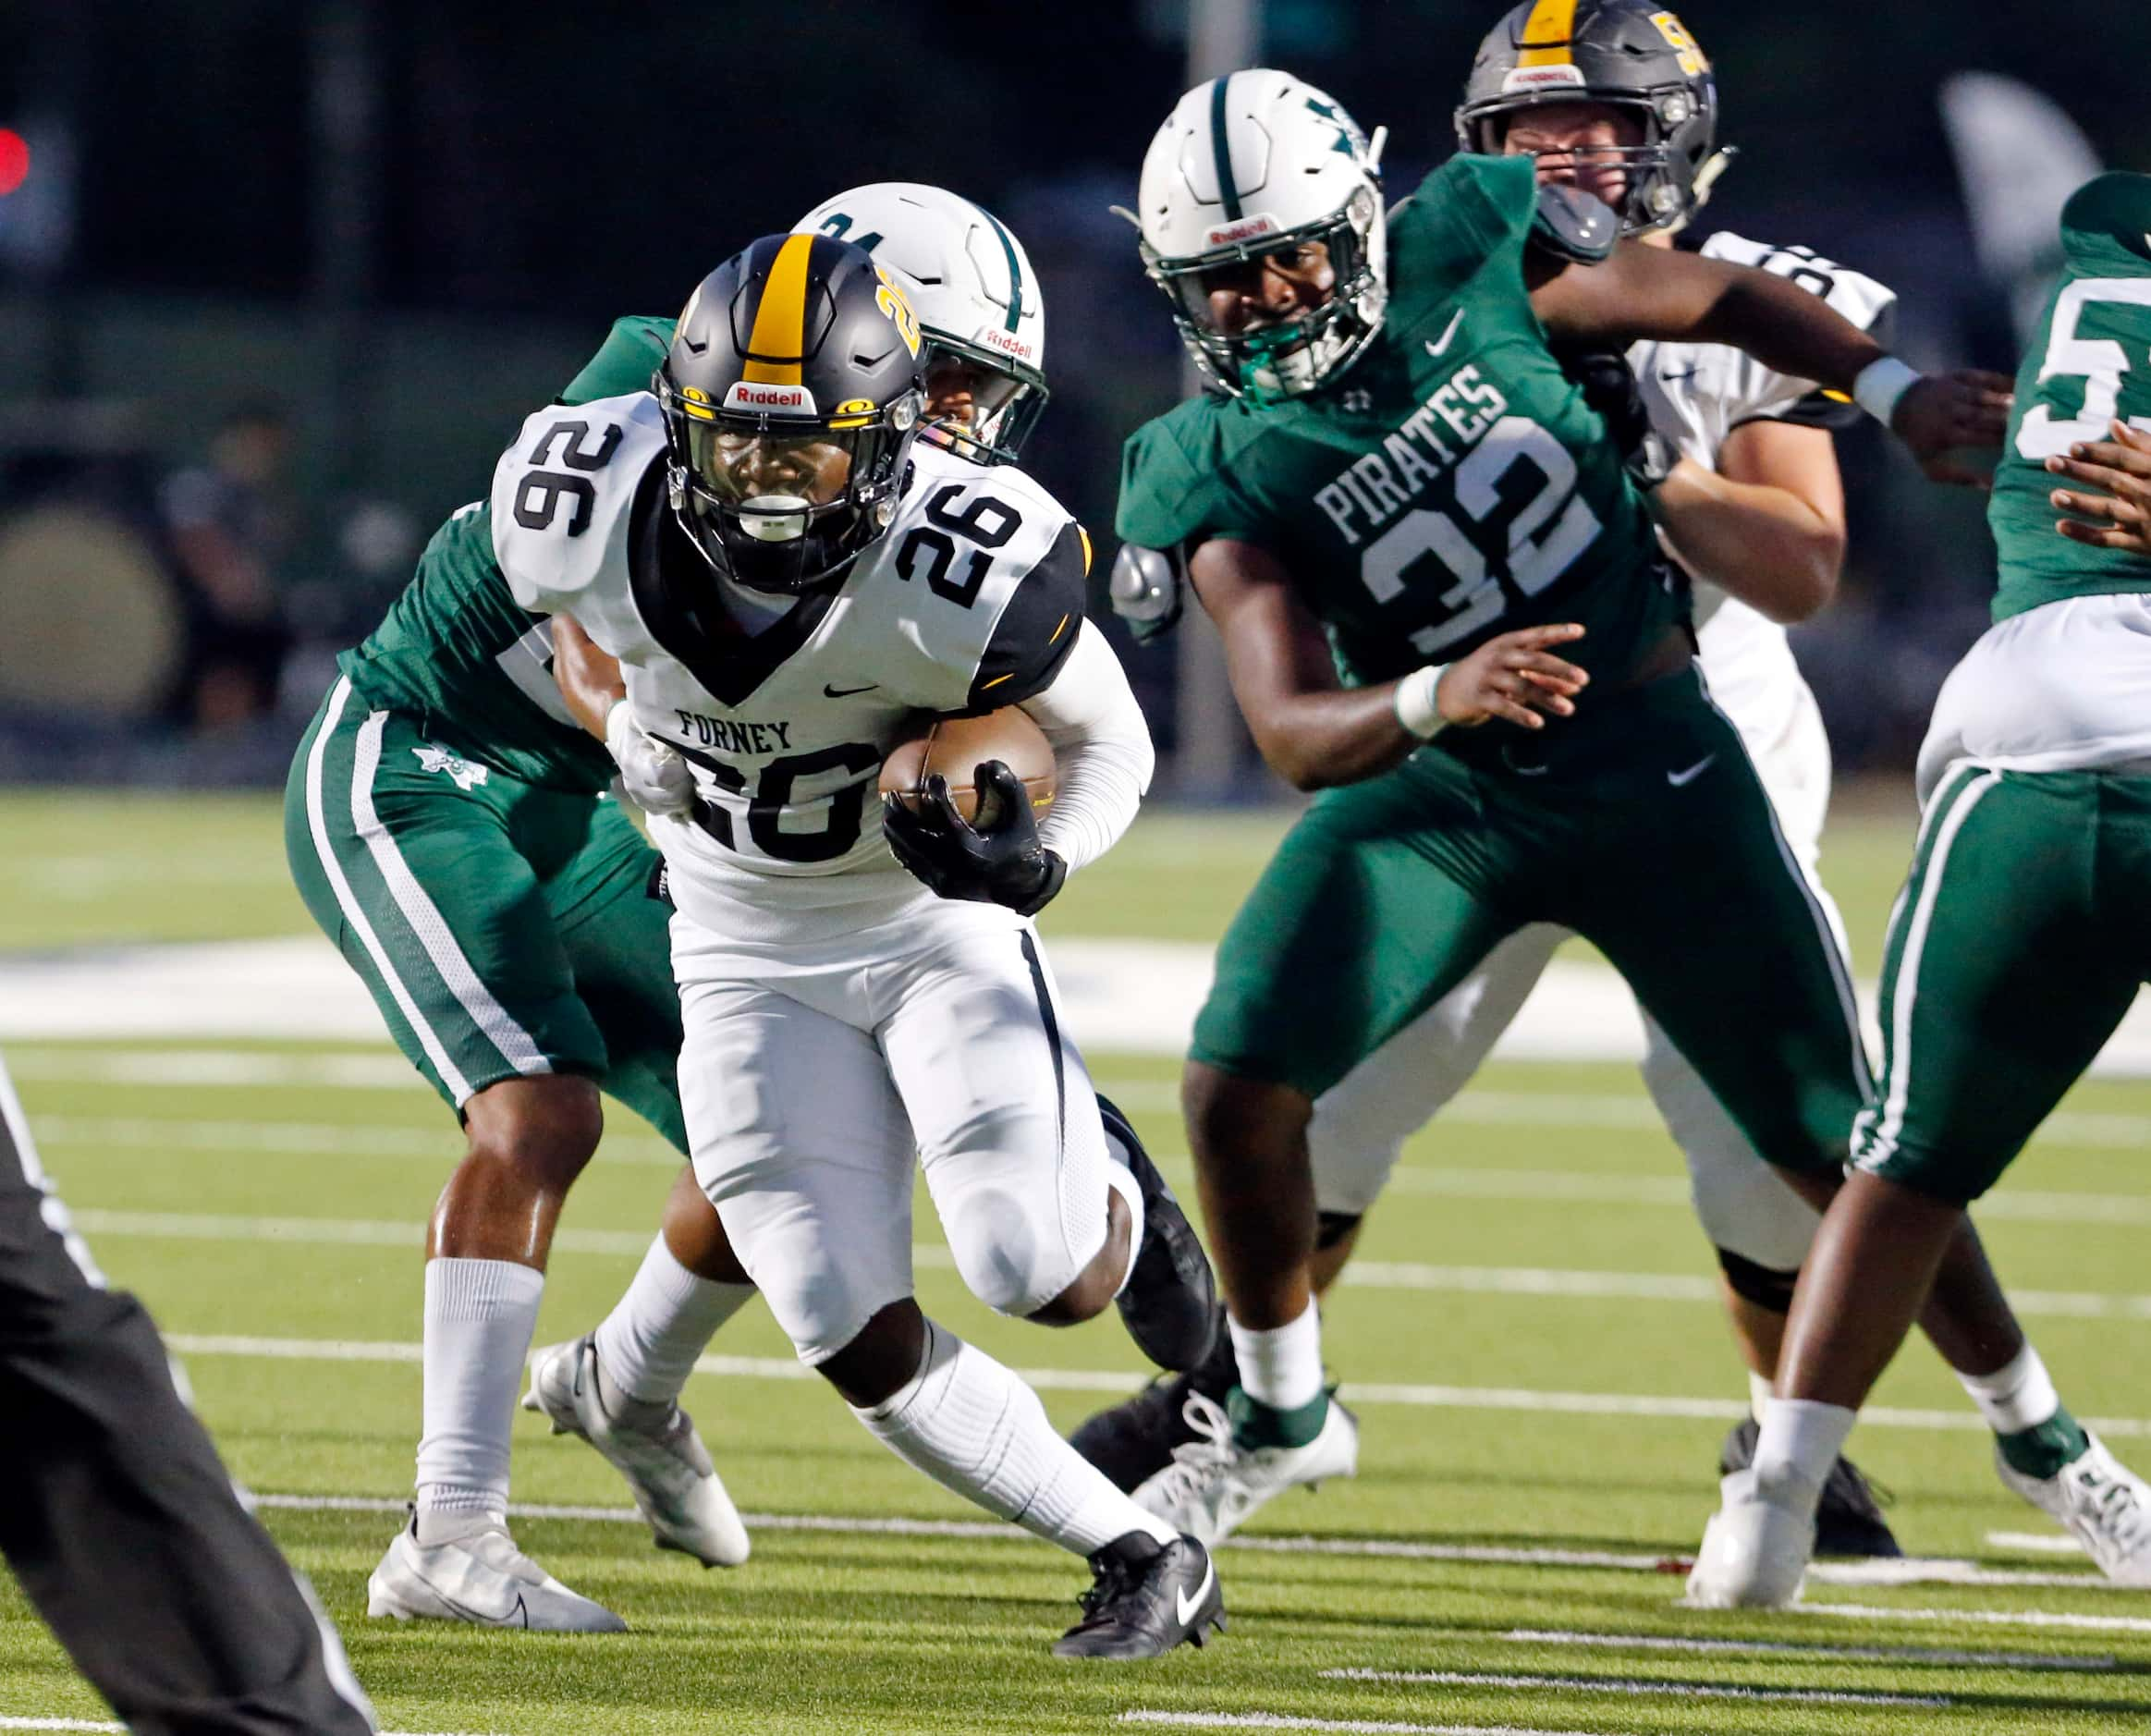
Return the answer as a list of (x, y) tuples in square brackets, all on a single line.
[(1547, 34), (780, 323)]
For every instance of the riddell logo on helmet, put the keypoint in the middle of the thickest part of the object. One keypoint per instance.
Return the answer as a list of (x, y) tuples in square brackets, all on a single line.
[(745, 395), (1246, 229), (1541, 78), (998, 337)]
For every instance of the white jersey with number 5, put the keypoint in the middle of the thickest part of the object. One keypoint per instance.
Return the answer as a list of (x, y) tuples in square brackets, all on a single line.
[(1697, 394), (972, 600)]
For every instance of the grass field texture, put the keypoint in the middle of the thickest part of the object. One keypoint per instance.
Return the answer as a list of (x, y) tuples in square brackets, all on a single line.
[(1529, 1337)]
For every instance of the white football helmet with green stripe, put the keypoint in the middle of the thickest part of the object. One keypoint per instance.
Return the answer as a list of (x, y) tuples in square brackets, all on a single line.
[(1255, 165), (978, 301)]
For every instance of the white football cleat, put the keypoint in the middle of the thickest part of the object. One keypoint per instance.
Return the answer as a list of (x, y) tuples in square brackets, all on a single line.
[(1754, 1552), (1213, 1485), (482, 1578), (2101, 1499), (653, 1446)]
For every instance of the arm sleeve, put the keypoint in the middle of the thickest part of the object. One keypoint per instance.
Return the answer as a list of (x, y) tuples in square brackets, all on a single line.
[(1170, 499), (1102, 749), (633, 351), (1038, 625)]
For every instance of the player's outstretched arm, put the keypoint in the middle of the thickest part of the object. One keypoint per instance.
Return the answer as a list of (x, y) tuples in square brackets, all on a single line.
[(655, 777), (1315, 733), (2118, 514), (588, 678), (1768, 525), (1653, 292)]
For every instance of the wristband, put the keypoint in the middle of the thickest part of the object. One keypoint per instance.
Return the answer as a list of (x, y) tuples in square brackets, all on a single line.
[(1879, 385), (1414, 702), (620, 718)]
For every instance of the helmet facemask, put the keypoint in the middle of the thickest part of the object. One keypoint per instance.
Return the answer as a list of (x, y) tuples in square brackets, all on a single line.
[(979, 405), (779, 503), (1663, 186), (1272, 363)]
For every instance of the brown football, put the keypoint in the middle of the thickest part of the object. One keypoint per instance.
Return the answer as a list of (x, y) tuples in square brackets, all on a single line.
[(956, 747)]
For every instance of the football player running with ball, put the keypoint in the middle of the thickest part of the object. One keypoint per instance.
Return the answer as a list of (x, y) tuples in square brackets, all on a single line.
[(790, 578), (2022, 935), (1444, 608), (491, 888), (1616, 97)]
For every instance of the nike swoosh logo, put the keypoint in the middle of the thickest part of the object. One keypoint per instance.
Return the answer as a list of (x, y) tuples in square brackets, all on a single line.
[(846, 693), (1188, 1607), (1671, 379), (1702, 765), (1456, 320)]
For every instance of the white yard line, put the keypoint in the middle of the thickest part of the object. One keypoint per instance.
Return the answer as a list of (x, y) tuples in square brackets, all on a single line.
[(1378, 1548), (1516, 1186), (2036, 1541), (1552, 1283), (1347, 1726), (1617, 1684), (1120, 1381), (1985, 1617), (1787, 1648)]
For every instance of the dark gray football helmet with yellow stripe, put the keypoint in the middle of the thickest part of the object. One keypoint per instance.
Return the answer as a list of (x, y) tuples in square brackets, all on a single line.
[(790, 396), (1633, 54)]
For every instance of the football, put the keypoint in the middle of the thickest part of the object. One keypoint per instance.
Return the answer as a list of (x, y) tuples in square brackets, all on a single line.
[(956, 747)]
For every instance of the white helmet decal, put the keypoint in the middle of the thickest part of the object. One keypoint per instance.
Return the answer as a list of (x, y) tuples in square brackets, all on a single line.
[(967, 277), (1250, 162)]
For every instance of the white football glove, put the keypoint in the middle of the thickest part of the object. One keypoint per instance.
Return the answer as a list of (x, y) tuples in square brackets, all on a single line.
[(655, 776)]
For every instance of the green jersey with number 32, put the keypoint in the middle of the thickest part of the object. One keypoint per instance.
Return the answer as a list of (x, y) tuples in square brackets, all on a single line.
[(1450, 485), (2089, 363)]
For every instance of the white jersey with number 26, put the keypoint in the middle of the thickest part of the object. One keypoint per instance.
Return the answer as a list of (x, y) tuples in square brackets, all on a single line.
[(970, 599), (1697, 394)]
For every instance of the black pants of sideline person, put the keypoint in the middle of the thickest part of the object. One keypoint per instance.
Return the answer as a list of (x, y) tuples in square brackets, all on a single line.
[(119, 1518)]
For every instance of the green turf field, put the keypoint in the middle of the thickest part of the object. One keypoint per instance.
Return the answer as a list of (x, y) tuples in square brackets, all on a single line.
[(1542, 1377)]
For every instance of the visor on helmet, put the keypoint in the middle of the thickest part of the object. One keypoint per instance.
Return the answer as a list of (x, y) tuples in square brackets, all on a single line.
[(782, 503)]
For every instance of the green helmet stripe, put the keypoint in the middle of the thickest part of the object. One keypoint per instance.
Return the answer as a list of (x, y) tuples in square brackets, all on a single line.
[(1227, 189), (1015, 270)]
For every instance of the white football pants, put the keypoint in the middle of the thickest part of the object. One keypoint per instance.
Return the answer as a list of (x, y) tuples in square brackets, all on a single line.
[(811, 1073)]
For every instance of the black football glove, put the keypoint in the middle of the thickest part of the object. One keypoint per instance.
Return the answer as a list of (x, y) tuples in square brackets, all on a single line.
[(1610, 386), (1000, 861)]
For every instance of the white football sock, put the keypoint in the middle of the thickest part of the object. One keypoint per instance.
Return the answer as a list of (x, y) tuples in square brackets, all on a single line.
[(1799, 1443), (1760, 1393), (1121, 1181), (1282, 1368), (2018, 1396), (646, 1347), (972, 1427), (479, 1318)]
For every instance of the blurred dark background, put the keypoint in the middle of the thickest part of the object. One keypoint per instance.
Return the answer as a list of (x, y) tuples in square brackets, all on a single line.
[(277, 277)]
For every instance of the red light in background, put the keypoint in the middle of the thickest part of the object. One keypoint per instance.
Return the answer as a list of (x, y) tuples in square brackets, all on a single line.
[(14, 161)]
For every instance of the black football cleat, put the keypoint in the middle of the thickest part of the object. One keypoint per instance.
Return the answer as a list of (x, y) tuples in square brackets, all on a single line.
[(1145, 1598), (1169, 1302), (1848, 1521), (1134, 1440)]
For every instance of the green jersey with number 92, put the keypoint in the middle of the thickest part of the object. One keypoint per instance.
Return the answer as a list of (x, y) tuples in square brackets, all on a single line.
[(1450, 485), (2089, 363)]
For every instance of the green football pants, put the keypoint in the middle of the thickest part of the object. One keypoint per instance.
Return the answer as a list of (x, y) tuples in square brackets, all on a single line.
[(503, 928), (1641, 826), (2017, 944)]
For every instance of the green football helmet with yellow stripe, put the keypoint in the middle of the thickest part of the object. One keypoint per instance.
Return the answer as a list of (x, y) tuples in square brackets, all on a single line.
[(791, 393)]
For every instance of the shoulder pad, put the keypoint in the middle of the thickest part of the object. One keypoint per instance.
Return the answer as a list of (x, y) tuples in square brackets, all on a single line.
[(1572, 224), (1146, 589), (562, 500)]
